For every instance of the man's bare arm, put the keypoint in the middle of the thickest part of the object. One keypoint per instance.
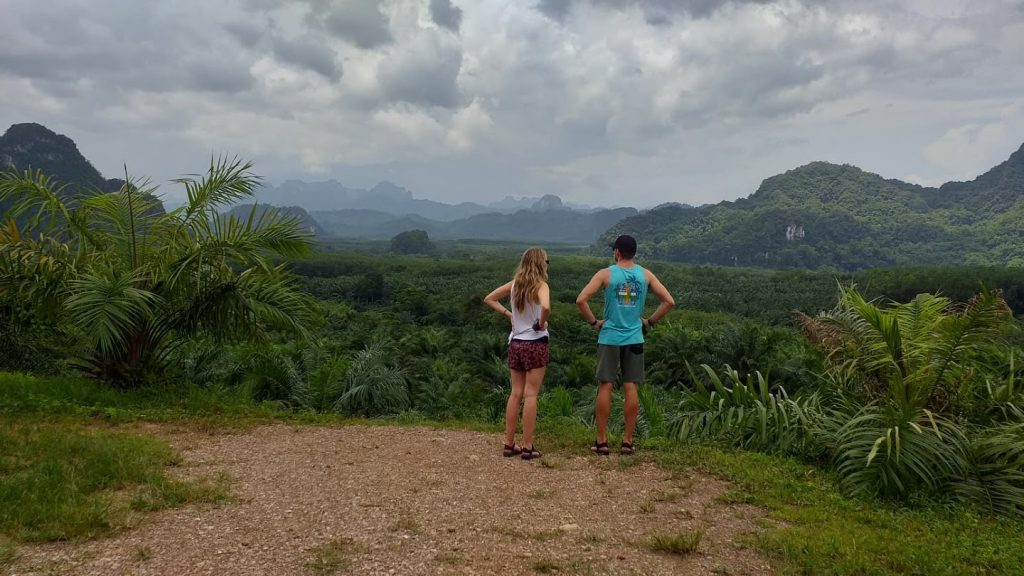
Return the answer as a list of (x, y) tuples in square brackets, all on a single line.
[(664, 296)]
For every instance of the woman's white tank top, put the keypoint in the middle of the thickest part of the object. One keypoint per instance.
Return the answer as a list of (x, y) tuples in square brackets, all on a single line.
[(522, 322)]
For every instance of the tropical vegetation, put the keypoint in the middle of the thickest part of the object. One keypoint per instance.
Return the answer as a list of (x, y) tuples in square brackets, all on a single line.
[(876, 402), (128, 284)]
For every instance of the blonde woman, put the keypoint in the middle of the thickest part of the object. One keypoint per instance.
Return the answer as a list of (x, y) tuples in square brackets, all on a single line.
[(527, 345)]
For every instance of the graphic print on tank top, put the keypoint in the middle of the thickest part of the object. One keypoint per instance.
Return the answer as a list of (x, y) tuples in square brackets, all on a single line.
[(627, 293)]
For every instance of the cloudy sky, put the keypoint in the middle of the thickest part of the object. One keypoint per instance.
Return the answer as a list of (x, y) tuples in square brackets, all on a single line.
[(604, 102)]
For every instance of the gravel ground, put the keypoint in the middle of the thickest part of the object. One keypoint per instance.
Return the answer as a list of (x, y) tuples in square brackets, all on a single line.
[(389, 500)]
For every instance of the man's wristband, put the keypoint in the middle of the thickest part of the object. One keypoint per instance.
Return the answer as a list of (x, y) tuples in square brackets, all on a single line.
[(593, 322), (650, 321)]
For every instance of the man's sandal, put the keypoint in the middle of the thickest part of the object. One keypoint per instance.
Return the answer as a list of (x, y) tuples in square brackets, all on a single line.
[(627, 449), (511, 450), (600, 448), (530, 453)]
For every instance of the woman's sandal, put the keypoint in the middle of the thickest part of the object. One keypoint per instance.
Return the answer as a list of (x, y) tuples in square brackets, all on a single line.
[(511, 450), (600, 448), (627, 449), (530, 453)]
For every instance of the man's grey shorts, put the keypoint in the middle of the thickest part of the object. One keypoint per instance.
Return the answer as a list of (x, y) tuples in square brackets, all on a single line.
[(630, 357)]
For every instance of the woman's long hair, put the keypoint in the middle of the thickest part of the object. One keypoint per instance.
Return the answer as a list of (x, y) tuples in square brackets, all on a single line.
[(531, 272)]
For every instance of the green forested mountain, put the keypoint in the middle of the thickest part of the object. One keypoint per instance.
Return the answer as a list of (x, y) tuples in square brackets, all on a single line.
[(824, 215), (35, 146)]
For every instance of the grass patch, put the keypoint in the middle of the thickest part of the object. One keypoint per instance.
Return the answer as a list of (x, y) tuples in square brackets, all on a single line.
[(7, 553), (545, 566), (71, 396), (664, 496), (508, 531), (406, 524), (540, 494), (680, 543), (627, 462), (142, 553), (552, 462), (65, 481), (449, 558), (547, 535), (647, 506), (332, 557), (582, 567), (815, 530)]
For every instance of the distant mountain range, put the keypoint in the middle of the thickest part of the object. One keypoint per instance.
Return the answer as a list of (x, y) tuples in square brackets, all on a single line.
[(387, 209), (392, 199), (819, 215), (242, 211), (534, 225), (824, 215), (330, 209)]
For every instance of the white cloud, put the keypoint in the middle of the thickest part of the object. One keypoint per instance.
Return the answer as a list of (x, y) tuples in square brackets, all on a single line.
[(964, 152), (597, 99)]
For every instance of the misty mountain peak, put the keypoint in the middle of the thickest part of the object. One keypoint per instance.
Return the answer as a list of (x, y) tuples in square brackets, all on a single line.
[(548, 202), (390, 190)]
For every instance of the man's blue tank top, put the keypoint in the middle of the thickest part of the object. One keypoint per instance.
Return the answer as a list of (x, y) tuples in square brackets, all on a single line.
[(624, 299)]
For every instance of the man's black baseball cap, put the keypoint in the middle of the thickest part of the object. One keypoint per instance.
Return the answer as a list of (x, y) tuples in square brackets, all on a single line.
[(625, 244)]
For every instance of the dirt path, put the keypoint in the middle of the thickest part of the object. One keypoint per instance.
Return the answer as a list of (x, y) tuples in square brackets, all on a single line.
[(382, 500)]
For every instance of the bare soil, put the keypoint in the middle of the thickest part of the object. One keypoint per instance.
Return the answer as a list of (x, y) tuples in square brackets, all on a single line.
[(390, 500)]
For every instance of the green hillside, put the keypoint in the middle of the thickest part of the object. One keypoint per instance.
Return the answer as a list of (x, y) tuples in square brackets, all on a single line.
[(824, 215), (34, 146)]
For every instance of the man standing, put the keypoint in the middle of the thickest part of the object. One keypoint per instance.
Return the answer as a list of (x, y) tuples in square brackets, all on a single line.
[(620, 341)]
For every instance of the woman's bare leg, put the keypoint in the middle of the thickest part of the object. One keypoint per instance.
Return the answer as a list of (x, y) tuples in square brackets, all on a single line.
[(534, 378), (512, 408)]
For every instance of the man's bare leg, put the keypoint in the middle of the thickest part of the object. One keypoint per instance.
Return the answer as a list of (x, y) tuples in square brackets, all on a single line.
[(603, 409), (630, 408)]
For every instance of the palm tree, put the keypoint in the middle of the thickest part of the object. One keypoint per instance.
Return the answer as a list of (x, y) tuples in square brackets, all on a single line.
[(133, 283), (901, 369)]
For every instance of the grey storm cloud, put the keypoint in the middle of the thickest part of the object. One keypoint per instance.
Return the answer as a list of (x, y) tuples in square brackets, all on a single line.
[(446, 15), (425, 73), (308, 54), (664, 96), (217, 76), (247, 34), (114, 46), (360, 22), (555, 9), (657, 12)]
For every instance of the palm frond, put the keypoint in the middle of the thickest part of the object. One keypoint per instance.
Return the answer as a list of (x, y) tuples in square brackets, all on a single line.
[(996, 480), (226, 182), (879, 453), (744, 412), (374, 385), (109, 309)]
